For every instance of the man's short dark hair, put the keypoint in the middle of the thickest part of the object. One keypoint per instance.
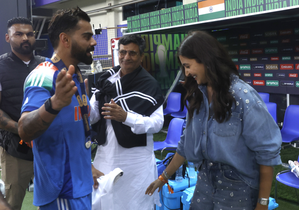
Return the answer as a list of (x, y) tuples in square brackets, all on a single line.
[(133, 38), (65, 21), (18, 20)]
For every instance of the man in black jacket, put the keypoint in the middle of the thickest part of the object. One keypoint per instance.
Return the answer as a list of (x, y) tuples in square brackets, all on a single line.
[(16, 156), (126, 112)]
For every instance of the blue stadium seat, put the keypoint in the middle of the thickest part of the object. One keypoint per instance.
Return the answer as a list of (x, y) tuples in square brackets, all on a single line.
[(272, 109), (290, 128), (173, 103), (175, 130), (287, 178), (180, 114), (265, 96)]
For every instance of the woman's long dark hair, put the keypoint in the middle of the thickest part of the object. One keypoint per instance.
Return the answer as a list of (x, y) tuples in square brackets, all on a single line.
[(218, 65)]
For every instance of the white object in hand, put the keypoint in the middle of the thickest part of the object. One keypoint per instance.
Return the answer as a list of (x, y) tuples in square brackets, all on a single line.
[(102, 198)]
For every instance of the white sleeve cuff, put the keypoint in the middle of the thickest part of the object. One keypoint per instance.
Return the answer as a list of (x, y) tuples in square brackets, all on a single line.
[(130, 120)]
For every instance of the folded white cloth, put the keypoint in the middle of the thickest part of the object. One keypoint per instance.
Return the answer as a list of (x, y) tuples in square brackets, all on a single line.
[(294, 167), (102, 198)]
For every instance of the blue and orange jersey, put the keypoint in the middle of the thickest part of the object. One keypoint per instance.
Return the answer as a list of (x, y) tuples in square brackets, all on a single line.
[(62, 163)]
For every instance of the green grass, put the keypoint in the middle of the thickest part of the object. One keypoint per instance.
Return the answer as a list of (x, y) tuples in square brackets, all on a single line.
[(28, 200), (287, 199), (285, 205)]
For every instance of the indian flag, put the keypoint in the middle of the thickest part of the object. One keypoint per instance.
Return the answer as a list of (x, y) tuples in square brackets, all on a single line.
[(211, 9)]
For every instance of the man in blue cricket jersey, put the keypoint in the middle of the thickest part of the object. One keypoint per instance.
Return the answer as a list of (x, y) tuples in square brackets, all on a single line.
[(55, 115)]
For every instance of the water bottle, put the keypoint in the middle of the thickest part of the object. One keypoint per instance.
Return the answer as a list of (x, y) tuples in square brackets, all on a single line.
[(2, 187), (191, 170), (99, 67), (178, 174), (92, 68)]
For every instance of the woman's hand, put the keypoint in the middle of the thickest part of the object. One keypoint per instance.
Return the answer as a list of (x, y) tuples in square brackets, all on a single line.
[(175, 163), (153, 186)]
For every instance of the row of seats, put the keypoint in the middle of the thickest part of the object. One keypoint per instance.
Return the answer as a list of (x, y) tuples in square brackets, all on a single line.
[(289, 134), (289, 131), (173, 106), (177, 124)]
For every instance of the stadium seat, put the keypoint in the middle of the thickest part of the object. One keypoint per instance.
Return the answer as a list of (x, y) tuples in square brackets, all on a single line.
[(175, 130), (290, 128), (288, 178), (272, 109), (173, 103), (265, 96)]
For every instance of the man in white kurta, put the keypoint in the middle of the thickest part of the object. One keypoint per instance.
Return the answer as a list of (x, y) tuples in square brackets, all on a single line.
[(137, 162)]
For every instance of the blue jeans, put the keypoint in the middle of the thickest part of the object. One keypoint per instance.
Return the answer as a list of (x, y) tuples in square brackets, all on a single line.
[(83, 203), (220, 188)]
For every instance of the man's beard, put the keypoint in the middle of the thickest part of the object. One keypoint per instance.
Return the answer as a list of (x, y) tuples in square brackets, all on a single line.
[(81, 55), (25, 50)]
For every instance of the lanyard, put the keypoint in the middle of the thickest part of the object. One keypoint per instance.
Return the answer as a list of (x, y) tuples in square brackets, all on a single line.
[(82, 101)]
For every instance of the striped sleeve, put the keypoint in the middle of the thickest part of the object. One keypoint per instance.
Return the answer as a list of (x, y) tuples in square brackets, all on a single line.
[(41, 76), (39, 86)]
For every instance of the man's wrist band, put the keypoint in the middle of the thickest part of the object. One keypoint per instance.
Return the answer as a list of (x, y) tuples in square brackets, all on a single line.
[(48, 107), (161, 178)]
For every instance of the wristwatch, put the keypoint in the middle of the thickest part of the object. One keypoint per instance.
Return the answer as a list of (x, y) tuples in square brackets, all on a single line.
[(166, 174), (48, 107), (263, 201)]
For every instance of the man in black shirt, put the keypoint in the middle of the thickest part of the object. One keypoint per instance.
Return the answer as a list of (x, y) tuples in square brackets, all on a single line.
[(16, 156)]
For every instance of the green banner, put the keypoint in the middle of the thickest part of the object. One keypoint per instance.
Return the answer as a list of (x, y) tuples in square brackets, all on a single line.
[(245, 67), (274, 83), (268, 75), (286, 58), (240, 7), (271, 50), (160, 58), (195, 12)]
